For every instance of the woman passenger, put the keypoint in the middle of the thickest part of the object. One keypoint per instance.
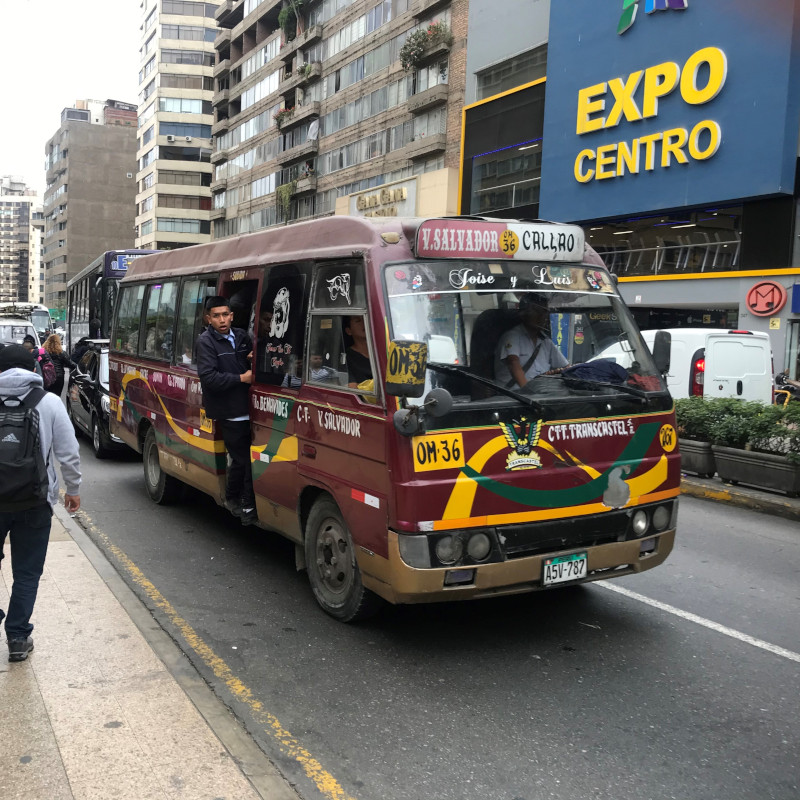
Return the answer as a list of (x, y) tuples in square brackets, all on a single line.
[(61, 361)]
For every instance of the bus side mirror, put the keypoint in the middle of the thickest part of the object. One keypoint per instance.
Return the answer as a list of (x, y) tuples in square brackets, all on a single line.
[(661, 351), (405, 368)]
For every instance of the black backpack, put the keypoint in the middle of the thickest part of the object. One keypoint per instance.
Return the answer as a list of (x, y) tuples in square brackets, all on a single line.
[(23, 471)]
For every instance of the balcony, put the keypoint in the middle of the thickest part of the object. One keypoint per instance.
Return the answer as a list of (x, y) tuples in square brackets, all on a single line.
[(302, 76), (221, 184), (421, 8), (308, 148), (426, 146), (306, 185), (216, 213), (223, 39), (433, 52), (313, 34), (222, 68), (218, 156), (301, 114), (423, 101), (222, 96), (229, 13), (220, 127)]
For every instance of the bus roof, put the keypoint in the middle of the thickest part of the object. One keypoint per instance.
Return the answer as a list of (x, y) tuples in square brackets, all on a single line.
[(100, 260), (328, 237)]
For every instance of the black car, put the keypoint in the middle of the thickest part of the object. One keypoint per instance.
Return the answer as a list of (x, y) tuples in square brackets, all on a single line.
[(88, 402)]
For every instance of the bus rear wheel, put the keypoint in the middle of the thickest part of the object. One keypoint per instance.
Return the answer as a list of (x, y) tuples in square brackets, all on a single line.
[(332, 568), (162, 488)]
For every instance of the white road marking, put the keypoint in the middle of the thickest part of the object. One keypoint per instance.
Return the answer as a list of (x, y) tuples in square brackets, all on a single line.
[(706, 623)]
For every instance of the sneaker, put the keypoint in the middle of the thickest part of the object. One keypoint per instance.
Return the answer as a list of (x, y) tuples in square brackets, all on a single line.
[(249, 516), (18, 649), (234, 507)]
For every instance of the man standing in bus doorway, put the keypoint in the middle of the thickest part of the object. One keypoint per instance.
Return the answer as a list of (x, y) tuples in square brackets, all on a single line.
[(223, 364)]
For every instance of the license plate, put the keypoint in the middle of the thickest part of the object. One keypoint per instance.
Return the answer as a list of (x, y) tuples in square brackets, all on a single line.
[(565, 568)]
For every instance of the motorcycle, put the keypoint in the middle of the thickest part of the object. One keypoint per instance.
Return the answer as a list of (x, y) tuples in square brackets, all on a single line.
[(786, 389)]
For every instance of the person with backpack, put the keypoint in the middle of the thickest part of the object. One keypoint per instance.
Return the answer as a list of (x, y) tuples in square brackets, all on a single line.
[(61, 361), (47, 369), (34, 427)]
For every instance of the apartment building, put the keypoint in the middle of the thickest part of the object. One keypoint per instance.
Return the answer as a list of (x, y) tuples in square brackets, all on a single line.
[(175, 115), (20, 247), (320, 102), (89, 202)]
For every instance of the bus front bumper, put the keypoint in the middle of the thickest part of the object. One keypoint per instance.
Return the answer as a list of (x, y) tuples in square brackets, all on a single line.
[(397, 582)]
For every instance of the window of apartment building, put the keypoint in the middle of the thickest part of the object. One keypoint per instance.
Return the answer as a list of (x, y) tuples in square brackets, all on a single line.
[(148, 158), (188, 33), (146, 228), (147, 91), (430, 76), (513, 72), (186, 8), (184, 105), (260, 58), (180, 201), (147, 113), (147, 69), (184, 129), (148, 180), (150, 19), (179, 225), (148, 135), (196, 57), (147, 205), (260, 90), (169, 81), (184, 178)]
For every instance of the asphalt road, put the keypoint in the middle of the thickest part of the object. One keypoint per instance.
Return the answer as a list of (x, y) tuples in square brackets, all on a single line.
[(578, 693)]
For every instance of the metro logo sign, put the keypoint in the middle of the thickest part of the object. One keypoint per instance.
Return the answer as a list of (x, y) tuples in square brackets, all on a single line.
[(630, 7), (454, 238)]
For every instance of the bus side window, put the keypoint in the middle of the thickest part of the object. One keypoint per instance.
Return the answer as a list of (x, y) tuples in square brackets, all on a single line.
[(327, 360), (159, 320), (126, 334), (190, 317)]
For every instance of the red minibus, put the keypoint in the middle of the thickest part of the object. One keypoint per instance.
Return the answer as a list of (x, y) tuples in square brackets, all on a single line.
[(390, 441)]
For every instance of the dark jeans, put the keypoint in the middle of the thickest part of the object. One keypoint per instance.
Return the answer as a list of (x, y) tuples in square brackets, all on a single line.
[(30, 533), (236, 436)]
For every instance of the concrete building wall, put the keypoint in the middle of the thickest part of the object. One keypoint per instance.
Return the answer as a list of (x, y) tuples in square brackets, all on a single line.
[(90, 200), (502, 29)]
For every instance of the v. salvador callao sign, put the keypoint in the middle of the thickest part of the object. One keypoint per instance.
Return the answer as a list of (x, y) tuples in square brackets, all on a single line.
[(659, 104)]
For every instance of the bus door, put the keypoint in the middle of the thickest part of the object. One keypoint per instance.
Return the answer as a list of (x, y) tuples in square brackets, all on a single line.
[(340, 416), (203, 453)]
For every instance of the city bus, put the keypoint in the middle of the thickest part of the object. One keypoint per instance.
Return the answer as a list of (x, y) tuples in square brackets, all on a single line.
[(433, 479), (91, 295)]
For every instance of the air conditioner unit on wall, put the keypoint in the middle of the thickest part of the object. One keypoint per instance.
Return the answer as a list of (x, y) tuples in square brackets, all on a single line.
[(170, 138), (188, 138)]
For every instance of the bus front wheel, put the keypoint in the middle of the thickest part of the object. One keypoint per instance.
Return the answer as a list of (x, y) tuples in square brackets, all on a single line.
[(332, 568), (161, 487)]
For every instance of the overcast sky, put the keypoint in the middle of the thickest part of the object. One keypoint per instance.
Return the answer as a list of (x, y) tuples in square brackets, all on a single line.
[(55, 52)]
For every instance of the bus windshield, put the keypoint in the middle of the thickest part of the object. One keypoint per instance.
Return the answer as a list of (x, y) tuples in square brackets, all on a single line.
[(474, 314)]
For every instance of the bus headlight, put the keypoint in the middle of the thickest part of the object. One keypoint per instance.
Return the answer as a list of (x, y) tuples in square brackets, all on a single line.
[(449, 549), (105, 404), (661, 517), (640, 523), (479, 546)]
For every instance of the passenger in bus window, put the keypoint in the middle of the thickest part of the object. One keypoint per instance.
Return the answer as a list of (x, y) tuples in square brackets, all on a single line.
[(223, 365), (525, 351), (359, 368), (319, 371)]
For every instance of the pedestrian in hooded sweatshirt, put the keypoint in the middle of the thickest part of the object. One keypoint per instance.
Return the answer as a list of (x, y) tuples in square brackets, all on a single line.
[(26, 510)]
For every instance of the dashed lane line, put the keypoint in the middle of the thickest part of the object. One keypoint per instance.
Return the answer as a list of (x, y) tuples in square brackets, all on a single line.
[(706, 623)]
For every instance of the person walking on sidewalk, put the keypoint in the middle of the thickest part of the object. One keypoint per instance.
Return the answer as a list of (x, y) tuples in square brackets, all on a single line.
[(223, 365), (34, 427)]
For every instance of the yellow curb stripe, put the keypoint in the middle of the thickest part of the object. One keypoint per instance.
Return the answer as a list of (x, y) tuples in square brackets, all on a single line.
[(325, 782)]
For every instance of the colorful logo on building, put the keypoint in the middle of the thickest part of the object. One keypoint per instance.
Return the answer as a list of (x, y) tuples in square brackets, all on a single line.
[(630, 7)]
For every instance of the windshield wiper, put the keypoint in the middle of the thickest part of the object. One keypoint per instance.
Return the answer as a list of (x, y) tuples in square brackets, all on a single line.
[(620, 387), (453, 370)]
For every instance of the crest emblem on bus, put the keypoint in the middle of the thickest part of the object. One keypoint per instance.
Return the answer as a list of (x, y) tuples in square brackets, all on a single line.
[(522, 436), (630, 7), (280, 314), (340, 285)]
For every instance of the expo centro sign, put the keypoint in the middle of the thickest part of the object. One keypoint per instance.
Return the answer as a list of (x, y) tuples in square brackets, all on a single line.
[(635, 97)]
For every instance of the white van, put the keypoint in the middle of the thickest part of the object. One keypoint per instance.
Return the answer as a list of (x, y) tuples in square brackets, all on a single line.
[(718, 362)]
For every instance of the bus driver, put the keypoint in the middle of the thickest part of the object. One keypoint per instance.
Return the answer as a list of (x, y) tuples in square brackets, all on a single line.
[(223, 365)]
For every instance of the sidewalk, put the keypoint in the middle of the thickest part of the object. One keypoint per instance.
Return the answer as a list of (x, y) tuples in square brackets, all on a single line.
[(102, 710), (756, 499)]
